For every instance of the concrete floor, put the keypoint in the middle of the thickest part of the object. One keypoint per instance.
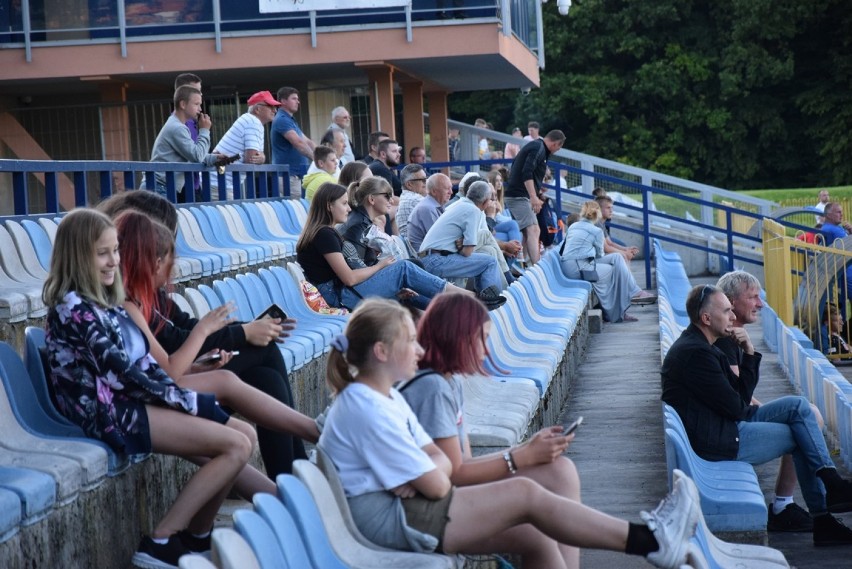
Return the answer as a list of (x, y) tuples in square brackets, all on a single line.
[(619, 450)]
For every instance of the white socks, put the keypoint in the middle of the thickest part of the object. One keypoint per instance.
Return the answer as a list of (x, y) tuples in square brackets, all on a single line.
[(780, 503)]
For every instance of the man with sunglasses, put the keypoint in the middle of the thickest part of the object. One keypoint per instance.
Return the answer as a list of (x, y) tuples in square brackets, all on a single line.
[(715, 405), (246, 137), (413, 178)]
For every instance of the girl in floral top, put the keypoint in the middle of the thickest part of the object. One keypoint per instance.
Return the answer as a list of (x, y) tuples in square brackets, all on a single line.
[(106, 381), (147, 249)]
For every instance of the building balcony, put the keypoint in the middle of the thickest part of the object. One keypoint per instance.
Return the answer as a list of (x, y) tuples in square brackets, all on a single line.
[(455, 45)]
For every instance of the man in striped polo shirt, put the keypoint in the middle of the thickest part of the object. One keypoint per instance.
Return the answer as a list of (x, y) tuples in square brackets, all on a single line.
[(246, 136)]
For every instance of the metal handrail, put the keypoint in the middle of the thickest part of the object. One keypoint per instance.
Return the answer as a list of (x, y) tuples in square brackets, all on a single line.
[(268, 180)]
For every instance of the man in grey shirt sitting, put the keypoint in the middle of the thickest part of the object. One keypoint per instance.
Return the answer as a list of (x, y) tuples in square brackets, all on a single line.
[(439, 189)]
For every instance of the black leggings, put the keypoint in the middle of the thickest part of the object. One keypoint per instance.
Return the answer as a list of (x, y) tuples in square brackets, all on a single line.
[(263, 368)]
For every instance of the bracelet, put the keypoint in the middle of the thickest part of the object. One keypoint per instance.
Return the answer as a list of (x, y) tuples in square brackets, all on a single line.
[(510, 463)]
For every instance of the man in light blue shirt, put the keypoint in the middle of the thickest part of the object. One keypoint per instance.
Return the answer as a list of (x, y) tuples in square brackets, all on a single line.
[(447, 249)]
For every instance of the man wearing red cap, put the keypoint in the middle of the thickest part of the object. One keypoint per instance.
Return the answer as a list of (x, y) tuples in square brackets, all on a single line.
[(246, 135)]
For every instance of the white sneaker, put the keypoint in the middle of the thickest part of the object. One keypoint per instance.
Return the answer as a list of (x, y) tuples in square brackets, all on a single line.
[(673, 523)]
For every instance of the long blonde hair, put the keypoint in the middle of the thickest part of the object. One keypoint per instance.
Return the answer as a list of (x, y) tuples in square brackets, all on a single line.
[(375, 320), (72, 263)]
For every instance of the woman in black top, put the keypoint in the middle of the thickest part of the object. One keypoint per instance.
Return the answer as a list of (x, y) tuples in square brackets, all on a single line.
[(320, 253)]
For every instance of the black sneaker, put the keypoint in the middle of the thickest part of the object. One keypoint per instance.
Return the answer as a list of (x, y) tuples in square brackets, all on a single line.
[(792, 518), (153, 555), (839, 500), (491, 298), (828, 530), (193, 543)]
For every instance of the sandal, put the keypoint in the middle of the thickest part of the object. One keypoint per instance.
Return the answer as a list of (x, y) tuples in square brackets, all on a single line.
[(629, 318)]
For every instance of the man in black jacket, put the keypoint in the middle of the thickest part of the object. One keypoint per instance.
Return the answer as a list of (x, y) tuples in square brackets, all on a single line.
[(715, 406)]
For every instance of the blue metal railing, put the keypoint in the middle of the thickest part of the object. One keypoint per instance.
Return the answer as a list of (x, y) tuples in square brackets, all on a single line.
[(91, 181), (649, 215), (258, 181)]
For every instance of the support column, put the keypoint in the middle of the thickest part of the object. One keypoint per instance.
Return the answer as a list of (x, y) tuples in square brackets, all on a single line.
[(381, 98), (412, 113), (438, 131), (115, 127)]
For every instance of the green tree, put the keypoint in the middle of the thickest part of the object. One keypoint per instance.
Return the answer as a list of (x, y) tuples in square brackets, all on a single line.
[(737, 93)]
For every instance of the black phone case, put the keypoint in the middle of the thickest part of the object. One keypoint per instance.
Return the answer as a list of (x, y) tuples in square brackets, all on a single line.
[(274, 311)]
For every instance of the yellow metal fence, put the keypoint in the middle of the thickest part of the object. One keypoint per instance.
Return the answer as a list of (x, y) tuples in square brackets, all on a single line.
[(801, 278)]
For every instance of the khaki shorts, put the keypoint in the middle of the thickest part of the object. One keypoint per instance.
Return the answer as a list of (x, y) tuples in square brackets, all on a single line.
[(521, 211), (429, 516)]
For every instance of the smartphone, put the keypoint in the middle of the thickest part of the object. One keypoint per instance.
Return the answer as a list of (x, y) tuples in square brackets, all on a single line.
[(214, 357), (206, 358), (568, 429), (274, 311)]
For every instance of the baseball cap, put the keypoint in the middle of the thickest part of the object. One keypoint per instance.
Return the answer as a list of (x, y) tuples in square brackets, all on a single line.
[(263, 97)]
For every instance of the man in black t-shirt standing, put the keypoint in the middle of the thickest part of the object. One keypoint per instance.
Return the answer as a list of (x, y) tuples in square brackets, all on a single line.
[(523, 188)]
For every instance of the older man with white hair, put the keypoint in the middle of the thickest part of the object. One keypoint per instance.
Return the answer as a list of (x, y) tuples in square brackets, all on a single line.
[(485, 241), (439, 188), (341, 120), (448, 248), (743, 292), (413, 178)]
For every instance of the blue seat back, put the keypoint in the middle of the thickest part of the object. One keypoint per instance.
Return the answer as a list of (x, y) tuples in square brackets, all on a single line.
[(22, 398), (261, 538), (41, 242), (35, 362), (299, 502), (284, 527)]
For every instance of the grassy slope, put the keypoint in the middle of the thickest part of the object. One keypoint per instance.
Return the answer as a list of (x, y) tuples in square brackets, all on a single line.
[(800, 196)]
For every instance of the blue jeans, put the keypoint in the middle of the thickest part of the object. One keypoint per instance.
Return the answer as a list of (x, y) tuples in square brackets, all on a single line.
[(787, 426), (508, 231), (385, 284), (483, 268)]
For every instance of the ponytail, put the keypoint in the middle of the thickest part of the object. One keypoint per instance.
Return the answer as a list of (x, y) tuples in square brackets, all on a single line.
[(375, 320)]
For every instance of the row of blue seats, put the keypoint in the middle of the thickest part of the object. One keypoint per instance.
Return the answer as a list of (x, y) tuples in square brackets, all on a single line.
[(540, 311), (308, 526), (543, 310), (731, 498), (814, 376), (210, 240)]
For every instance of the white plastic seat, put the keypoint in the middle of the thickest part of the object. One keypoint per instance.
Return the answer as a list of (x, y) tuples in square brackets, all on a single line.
[(182, 303), (49, 227), (231, 551), (197, 302), (351, 551), (26, 250)]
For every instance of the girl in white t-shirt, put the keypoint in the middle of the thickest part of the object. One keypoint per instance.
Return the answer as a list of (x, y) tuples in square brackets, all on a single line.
[(398, 481)]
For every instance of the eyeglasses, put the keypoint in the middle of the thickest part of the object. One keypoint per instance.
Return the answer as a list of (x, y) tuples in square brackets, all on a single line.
[(387, 195), (705, 292), (417, 180)]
